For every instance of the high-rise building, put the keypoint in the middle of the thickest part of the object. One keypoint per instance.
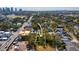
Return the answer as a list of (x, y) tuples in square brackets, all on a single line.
[(3, 9), (11, 9), (7, 9), (20, 10), (15, 9), (0, 9)]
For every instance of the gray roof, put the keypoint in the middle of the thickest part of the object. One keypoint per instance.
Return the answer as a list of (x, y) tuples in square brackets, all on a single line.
[(72, 49)]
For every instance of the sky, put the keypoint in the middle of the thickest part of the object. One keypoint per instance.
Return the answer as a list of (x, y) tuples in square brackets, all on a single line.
[(48, 8)]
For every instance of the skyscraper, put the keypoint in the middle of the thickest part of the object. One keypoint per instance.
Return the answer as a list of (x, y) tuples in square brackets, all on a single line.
[(20, 10), (12, 9), (15, 9), (7, 10), (0, 9), (3, 9)]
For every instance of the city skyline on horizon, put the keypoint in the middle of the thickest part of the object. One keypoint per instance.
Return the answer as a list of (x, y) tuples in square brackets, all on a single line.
[(45, 8)]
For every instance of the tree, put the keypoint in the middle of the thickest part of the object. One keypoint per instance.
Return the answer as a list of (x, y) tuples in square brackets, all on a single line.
[(32, 38), (35, 26), (77, 21), (70, 27), (54, 26), (4, 25), (18, 20)]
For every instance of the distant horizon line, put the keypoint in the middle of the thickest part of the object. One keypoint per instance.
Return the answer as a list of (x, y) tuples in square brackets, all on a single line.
[(46, 8)]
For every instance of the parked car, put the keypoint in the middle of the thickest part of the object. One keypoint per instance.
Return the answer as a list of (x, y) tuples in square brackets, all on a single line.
[(16, 48), (3, 39), (14, 43), (7, 34)]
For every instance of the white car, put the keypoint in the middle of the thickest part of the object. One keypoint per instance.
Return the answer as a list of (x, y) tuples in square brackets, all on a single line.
[(16, 48)]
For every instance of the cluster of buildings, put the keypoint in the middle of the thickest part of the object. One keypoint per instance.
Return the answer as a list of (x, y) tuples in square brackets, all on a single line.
[(9, 10), (70, 46), (4, 35)]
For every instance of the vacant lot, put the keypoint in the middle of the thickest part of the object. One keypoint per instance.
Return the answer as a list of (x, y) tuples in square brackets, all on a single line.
[(48, 48)]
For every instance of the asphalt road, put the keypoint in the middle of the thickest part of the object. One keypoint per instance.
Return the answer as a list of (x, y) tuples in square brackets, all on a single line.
[(74, 38), (6, 45)]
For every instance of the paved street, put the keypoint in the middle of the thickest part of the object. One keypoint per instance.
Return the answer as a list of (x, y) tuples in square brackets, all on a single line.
[(74, 38), (6, 45), (70, 46)]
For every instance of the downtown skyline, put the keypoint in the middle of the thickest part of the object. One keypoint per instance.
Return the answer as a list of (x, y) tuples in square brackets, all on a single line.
[(46, 8)]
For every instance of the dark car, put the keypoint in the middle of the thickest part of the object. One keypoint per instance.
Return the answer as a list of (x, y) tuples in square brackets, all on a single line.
[(29, 47)]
